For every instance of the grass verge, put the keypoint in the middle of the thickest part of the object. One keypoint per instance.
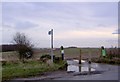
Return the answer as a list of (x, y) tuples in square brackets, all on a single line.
[(10, 52), (30, 68), (112, 61)]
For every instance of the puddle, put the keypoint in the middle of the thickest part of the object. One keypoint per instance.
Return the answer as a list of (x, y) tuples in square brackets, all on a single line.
[(74, 66), (74, 62)]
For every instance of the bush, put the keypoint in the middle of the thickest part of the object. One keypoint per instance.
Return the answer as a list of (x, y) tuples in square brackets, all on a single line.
[(24, 46), (113, 52), (107, 60), (46, 57)]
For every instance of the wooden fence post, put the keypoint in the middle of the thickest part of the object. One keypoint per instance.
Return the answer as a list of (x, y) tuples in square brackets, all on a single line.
[(89, 69), (89, 56), (80, 57), (80, 69)]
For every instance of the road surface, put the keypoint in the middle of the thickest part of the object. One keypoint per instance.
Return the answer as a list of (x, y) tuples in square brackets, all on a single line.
[(77, 71)]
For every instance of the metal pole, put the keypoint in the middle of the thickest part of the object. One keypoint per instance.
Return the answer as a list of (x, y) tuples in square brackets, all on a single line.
[(52, 46)]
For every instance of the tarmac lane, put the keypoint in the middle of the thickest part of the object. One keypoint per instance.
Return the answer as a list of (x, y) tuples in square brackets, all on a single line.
[(84, 71), (110, 73)]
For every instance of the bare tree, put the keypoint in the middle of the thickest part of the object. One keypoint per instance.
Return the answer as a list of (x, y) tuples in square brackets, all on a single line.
[(24, 46)]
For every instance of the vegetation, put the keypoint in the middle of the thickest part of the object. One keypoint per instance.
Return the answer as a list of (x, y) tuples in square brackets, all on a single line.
[(7, 47), (41, 63), (113, 52), (70, 53), (9, 52), (107, 60), (24, 46), (112, 57), (31, 68)]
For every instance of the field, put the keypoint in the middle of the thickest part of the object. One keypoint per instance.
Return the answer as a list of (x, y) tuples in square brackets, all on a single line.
[(70, 53), (12, 67)]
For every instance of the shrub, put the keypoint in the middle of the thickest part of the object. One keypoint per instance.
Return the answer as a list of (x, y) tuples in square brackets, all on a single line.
[(24, 46)]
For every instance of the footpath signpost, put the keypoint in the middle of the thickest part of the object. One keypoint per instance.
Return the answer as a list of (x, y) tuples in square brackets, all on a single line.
[(51, 33)]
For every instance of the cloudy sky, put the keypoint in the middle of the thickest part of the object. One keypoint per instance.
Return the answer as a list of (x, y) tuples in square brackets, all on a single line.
[(81, 24)]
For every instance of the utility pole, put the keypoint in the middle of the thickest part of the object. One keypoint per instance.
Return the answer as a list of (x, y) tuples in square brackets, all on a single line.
[(51, 33)]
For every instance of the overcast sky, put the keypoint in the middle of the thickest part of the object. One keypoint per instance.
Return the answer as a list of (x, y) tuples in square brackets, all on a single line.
[(81, 24)]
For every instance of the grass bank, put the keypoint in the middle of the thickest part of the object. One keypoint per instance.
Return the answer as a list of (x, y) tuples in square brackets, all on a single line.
[(113, 61), (31, 68)]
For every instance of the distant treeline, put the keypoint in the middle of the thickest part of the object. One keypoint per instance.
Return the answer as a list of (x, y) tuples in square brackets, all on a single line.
[(72, 47), (5, 48)]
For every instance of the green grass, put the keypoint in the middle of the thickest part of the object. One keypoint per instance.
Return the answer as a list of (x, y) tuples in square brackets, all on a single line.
[(112, 57), (107, 61), (10, 52), (31, 68)]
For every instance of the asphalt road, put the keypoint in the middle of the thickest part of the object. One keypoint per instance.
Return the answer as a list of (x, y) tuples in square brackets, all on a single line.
[(81, 72)]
